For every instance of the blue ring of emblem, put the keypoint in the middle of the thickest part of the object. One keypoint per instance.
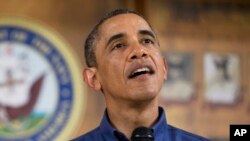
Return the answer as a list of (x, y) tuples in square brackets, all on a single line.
[(61, 85)]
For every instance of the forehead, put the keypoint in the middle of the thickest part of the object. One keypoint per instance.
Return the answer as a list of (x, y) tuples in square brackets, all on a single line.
[(123, 23)]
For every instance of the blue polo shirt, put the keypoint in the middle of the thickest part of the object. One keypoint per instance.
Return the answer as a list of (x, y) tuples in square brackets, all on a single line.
[(162, 132)]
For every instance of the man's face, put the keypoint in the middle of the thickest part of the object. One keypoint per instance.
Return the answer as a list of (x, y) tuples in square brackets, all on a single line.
[(129, 62)]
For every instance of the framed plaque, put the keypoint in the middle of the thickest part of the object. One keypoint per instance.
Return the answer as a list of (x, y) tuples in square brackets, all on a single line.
[(179, 87), (222, 78)]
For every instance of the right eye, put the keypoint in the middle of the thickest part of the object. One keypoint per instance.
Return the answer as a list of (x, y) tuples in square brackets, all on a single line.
[(118, 45)]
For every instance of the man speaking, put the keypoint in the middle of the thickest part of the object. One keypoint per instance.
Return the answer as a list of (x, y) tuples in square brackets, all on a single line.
[(124, 61)]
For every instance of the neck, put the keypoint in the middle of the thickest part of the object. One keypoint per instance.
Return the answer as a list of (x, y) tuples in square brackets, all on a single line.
[(125, 117)]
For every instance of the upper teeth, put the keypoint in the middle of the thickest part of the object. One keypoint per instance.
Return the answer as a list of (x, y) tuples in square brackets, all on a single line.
[(141, 70)]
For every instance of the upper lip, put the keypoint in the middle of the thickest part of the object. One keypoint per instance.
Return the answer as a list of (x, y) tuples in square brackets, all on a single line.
[(140, 66)]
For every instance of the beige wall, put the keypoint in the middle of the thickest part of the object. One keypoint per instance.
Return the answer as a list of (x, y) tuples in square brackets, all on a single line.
[(211, 30)]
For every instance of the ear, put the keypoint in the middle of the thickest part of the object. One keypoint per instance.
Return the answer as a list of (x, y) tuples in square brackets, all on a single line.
[(165, 68), (90, 77)]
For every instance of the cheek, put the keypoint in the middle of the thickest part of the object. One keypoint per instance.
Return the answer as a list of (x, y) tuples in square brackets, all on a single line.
[(161, 66), (156, 54), (158, 58), (111, 69), (111, 78)]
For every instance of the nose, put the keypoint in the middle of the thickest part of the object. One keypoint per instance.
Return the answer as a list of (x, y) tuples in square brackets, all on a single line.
[(138, 52)]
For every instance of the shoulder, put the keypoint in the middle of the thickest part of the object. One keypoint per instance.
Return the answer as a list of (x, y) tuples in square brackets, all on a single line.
[(182, 135), (90, 136)]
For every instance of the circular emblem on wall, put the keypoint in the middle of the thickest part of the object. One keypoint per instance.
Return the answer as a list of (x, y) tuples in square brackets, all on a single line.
[(41, 92)]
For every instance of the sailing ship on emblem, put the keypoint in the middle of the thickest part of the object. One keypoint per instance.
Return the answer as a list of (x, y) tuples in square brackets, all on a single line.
[(19, 90)]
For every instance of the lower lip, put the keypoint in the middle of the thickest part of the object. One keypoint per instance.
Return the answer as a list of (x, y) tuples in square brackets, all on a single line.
[(141, 77)]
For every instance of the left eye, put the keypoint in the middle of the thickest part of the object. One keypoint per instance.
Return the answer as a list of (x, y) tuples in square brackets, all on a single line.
[(147, 41)]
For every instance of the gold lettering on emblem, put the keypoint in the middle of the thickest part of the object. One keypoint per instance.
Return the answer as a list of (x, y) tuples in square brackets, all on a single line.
[(19, 36), (3, 34), (43, 47)]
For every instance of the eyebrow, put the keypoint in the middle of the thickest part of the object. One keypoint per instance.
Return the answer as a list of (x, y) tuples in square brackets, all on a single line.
[(121, 35), (147, 32), (114, 37)]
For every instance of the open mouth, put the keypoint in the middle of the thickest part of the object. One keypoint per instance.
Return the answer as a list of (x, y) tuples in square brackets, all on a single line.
[(141, 71)]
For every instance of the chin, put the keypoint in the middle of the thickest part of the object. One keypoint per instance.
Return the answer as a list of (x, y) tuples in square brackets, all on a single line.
[(143, 95)]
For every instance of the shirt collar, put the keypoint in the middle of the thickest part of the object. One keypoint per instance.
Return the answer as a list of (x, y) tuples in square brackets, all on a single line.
[(159, 127), (106, 128)]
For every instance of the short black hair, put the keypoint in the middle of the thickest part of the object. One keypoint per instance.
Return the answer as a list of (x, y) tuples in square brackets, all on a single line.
[(89, 53)]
